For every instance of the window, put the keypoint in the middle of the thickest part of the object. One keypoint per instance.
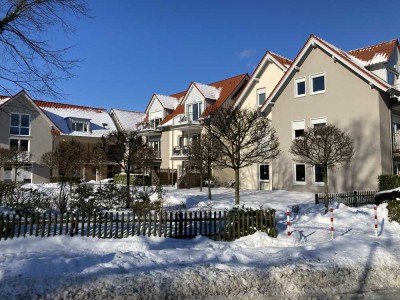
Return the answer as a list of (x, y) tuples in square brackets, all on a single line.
[(180, 141), (264, 172), (79, 126), (317, 83), (19, 144), (19, 124), (154, 123), (318, 122), (299, 173), (194, 111), (300, 87), (298, 128), (260, 96), (318, 174)]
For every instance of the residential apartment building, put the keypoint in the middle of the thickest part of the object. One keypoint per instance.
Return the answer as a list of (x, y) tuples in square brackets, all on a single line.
[(358, 92), (266, 75), (38, 127), (173, 122)]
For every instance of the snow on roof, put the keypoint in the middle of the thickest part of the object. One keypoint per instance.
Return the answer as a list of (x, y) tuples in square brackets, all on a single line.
[(375, 54), (3, 99), (167, 101), (100, 121), (209, 92), (128, 119)]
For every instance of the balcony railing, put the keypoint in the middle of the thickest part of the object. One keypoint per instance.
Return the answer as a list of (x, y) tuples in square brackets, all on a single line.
[(180, 151), (396, 142)]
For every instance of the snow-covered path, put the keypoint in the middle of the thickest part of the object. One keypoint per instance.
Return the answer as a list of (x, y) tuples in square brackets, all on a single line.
[(307, 264)]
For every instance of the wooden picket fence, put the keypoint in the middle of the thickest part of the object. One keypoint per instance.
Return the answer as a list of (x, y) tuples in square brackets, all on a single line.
[(353, 199), (222, 226)]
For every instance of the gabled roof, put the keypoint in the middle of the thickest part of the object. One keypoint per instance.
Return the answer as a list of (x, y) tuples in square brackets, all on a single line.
[(280, 59), (346, 59), (208, 91), (375, 54), (227, 87), (60, 112), (5, 99), (167, 101), (126, 119), (282, 62)]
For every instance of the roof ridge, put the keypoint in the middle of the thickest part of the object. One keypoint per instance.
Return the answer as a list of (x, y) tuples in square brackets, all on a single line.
[(127, 110), (371, 46), (273, 53), (67, 104), (243, 74)]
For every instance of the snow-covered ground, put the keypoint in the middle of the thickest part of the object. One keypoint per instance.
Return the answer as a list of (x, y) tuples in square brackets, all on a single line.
[(355, 263)]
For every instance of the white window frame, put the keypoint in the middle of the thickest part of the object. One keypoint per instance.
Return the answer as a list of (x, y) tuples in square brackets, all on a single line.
[(19, 142), (312, 76), (322, 120), (299, 80), (296, 125), (189, 108), (294, 174), (259, 173), (19, 125), (315, 182), (260, 92)]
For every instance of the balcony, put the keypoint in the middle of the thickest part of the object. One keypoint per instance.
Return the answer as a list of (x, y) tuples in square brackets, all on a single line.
[(396, 143), (157, 154), (178, 151)]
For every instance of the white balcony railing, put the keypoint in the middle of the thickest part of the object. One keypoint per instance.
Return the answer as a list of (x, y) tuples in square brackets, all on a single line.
[(396, 142), (180, 151)]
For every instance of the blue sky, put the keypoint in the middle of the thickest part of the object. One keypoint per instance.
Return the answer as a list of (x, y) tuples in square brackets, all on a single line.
[(132, 49)]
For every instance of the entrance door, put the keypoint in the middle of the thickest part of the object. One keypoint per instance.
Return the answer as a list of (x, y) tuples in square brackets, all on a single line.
[(263, 177)]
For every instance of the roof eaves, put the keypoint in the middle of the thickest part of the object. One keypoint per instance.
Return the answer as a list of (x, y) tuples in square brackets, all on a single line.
[(312, 40)]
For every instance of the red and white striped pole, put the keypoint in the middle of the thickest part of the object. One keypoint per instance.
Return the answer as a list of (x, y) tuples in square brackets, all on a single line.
[(288, 221), (332, 229), (376, 220)]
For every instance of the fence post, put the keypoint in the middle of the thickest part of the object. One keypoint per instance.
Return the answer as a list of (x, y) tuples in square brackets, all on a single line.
[(355, 199), (316, 199)]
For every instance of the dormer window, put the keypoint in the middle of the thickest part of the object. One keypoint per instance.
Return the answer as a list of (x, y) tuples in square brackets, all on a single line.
[(194, 111), (81, 125), (155, 123)]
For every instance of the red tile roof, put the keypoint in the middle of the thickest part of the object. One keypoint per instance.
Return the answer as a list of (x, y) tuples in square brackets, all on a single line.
[(282, 60), (43, 104), (227, 86), (376, 53)]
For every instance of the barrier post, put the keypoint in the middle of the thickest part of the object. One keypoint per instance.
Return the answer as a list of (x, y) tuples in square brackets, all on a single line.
[(288, 221), (376, 220), (332, 229)]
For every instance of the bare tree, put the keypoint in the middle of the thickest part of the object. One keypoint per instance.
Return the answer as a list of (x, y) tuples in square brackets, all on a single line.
[(203, 156), (67, 158), (4, 157), (243, 137), (325, 146), (99, 160), (123, 148), (29, 61), (18, 158)]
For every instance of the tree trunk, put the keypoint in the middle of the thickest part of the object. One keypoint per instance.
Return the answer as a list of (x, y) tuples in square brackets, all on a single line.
[(326, 199), (201, 179), (128, 187), (209, 181), (237, 185)]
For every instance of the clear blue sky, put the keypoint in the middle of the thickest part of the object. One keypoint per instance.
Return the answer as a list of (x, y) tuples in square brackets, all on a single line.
[(132, 49)]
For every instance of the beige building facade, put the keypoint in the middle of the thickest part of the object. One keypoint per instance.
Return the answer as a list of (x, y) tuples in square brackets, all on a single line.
[(326, 85)]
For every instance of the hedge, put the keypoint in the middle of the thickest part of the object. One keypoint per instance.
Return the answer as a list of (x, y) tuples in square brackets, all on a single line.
[(394, 210), (136, 179), (388, 182)]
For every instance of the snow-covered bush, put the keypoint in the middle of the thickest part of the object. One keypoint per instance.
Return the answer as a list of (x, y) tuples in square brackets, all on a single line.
[(394, 210)]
